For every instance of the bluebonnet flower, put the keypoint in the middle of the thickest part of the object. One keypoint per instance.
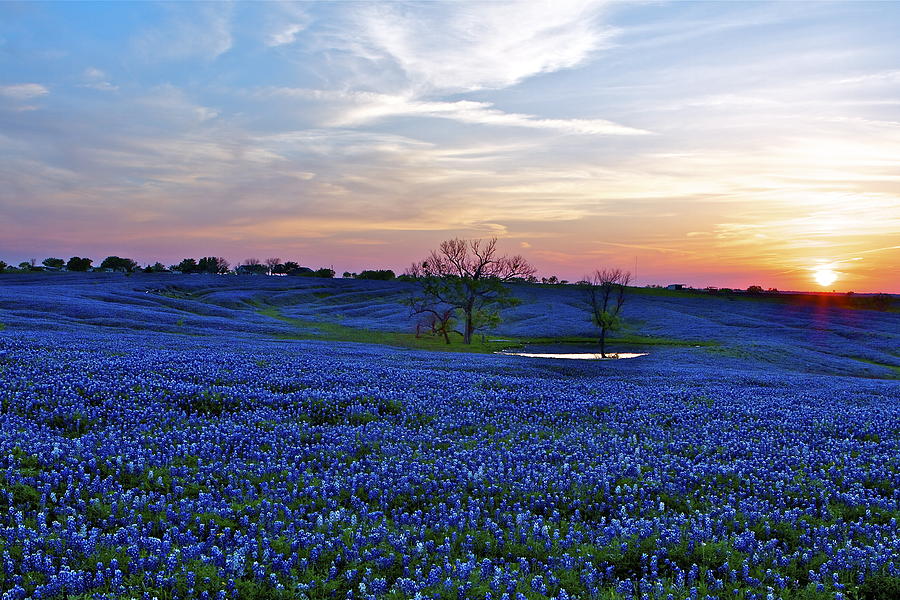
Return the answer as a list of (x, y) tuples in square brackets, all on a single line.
[(207, 463)]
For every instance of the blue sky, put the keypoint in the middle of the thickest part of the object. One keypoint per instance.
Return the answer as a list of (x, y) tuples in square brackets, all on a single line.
[(717, 143)]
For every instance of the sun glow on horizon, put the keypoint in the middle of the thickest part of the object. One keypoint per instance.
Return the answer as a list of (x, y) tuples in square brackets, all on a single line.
[(824, 276)]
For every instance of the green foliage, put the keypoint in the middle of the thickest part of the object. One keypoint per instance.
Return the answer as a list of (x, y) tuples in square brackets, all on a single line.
[(469, 277), (477, 301), (117, 263), (156, 267), (72, 425), (894, 368), (25, 497), (606, 295), (29, 464), (208, 402), (97, 512), (880, 587), (78, 264), (607, 320), (390, 407), (361, 418), (324, 330), (486, 318), (54, 263), (213, 264), (376, 274), (187, 265)]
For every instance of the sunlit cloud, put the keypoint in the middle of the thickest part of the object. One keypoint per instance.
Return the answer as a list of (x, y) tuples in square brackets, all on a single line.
[(353, 109), (465, 47)]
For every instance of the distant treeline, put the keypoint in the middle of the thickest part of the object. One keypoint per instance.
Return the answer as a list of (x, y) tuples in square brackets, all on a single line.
[(275, 266), (208, 264)]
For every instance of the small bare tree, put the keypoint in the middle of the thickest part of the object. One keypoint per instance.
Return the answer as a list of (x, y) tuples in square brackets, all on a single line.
[(253, 266), (436, 320), (271, 263), (467, 276), (606, 294)]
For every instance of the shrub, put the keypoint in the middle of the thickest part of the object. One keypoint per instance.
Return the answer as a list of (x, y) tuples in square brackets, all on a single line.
[(378, 274), (880, 587), (76, 263)]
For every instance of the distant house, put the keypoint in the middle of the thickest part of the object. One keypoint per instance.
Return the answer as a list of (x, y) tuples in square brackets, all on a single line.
[(302, 272), (251, 270), (675, 286)]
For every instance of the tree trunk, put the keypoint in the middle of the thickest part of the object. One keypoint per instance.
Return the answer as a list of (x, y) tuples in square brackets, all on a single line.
[(603, 342), (467, 338)]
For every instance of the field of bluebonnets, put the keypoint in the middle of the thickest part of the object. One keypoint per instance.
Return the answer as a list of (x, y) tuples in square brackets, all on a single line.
[(189, 437)]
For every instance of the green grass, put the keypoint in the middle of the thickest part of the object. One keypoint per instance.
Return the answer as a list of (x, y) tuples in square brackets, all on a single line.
[(638, 340), (325, 330), (893, 368)]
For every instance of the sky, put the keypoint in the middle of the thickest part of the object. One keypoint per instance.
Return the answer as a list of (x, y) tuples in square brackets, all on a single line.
[(721, 143)]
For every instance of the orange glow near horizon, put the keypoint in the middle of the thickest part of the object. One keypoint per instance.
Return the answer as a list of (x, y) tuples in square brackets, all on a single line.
[(697, 262)]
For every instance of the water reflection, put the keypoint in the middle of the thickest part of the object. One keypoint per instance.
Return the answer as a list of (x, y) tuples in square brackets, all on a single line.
[(578, 356)]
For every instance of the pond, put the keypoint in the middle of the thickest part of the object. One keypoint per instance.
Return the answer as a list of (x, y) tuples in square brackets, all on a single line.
[(574, 352), (578, 355)]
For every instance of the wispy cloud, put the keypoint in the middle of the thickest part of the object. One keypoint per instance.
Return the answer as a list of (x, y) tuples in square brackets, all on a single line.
[(351, 109), (96, 79), (194, 30), (467, 46), (23, 91), (284, 22), (286, 35)]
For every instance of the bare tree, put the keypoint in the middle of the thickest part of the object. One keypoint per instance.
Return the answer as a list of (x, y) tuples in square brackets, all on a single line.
[(606, 295), (468, 276), (436, 319), (253, 266), (271, 263)]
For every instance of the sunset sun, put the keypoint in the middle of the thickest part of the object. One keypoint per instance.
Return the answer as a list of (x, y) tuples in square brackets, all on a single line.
[(824, 277)]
